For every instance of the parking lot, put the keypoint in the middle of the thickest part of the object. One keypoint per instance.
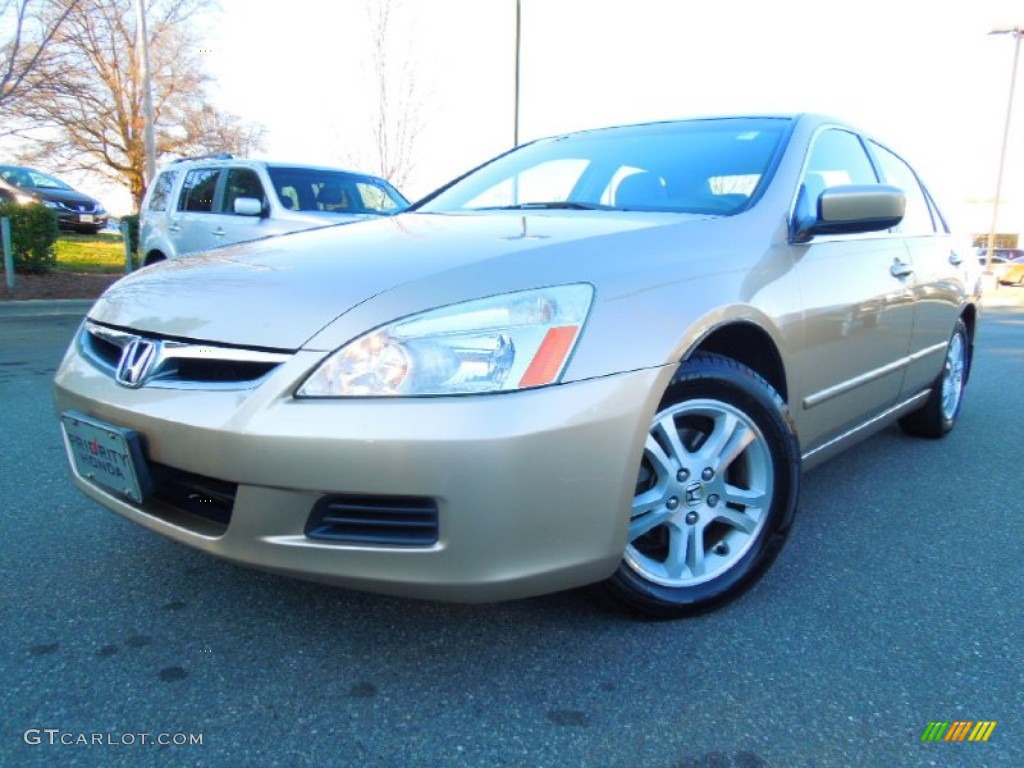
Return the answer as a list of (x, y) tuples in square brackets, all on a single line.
[(896, 603)]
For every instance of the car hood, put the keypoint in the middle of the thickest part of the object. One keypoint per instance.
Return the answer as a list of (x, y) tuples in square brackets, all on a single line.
[(59, 195), (278, 293), (325, 218)]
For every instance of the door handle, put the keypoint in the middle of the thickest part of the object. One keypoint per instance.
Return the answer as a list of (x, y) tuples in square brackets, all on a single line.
[(954, 259), (900, 269), (174, 227), (218, 232)]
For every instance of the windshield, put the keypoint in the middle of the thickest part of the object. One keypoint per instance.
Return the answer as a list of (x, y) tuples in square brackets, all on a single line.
[(26, 177), (698, 166), (313, 189)]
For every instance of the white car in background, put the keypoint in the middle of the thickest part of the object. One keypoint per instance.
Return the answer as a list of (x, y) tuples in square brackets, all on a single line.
[(197, 204)]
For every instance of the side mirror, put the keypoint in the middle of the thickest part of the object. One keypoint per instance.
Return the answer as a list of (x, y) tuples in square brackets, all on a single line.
[(850, 209), (248, 206)]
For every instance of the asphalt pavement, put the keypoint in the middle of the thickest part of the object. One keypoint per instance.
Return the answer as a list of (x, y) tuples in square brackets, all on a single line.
[(896, 603)]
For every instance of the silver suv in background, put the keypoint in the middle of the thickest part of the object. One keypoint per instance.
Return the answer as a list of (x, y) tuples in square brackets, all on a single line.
[(203, 203)]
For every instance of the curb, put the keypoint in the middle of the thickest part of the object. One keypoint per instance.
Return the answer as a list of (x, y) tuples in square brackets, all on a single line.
[(45, 307)]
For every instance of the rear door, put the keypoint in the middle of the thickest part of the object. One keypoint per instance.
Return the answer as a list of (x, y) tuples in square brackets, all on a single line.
[(937, 278), (193, 220)]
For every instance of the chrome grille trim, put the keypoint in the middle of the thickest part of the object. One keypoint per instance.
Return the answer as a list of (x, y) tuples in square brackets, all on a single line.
[(177, 362)]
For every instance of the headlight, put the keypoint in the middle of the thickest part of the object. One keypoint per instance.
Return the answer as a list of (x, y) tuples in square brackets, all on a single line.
[(513, 341), (51, 204), (25, 199)]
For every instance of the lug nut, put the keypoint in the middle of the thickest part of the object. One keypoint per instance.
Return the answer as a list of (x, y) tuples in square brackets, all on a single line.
[(721, 549), (672, 503), (692, 518), (707, 474), (713, 500), (682, 476)]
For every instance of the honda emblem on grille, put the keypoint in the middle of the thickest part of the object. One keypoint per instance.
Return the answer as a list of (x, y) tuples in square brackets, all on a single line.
[(136, 360)]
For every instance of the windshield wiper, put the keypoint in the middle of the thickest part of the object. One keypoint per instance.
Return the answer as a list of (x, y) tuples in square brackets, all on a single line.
[(554, 205)]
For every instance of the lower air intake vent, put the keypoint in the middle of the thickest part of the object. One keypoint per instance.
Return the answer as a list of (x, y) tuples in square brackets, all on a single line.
[(385, 520), (204, 496)]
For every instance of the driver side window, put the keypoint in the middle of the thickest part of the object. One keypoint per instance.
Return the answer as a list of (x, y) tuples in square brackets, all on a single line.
[(837, 157)]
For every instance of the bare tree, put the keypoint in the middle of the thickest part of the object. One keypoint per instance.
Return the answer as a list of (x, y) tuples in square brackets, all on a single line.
[(87, 100), (396, 106), (27, 51)]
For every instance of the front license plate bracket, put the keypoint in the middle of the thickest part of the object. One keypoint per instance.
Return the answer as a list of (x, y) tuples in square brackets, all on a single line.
[(107, 455)]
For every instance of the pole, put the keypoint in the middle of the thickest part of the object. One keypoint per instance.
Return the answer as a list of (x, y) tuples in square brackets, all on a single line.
[(515, 135), (5, 235), (147, 92), (1016, 32), (126, 235)]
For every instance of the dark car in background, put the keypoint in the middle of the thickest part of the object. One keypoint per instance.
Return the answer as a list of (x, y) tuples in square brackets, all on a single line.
[(74, 210)]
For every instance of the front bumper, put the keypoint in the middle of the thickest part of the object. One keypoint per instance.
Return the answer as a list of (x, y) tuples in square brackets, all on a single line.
[(533, 489), (74, 220)]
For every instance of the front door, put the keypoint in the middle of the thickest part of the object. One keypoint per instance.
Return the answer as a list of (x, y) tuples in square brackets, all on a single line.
[(858, 300)]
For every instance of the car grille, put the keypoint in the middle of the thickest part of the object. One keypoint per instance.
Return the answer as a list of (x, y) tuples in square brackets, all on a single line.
[(79, 207), (179, 364), (408, 521)]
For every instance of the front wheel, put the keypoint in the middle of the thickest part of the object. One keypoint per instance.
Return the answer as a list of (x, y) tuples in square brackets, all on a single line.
[(715, 493)]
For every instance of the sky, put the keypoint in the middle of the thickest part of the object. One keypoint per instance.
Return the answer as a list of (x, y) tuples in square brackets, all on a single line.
[(925, 77)]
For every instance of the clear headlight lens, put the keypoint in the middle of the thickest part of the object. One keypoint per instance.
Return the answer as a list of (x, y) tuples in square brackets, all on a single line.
[(513, 341), (25, 199)]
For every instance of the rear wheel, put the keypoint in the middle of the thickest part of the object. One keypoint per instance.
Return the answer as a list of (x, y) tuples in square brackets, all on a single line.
[(939, 413), (715, 493)]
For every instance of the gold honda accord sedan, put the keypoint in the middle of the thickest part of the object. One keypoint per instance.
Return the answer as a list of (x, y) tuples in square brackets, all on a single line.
[(601, 358)]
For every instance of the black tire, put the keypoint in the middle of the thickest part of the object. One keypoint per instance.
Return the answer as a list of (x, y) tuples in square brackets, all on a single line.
[(89, 230), (729, 509), (938, 415)]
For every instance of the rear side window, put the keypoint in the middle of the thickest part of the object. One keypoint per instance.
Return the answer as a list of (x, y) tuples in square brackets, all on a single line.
[(161, 193), (198, 189)]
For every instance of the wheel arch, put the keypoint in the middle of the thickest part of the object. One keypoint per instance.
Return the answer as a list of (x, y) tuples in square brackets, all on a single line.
[(153, 256), (969, 315), (748, 343)]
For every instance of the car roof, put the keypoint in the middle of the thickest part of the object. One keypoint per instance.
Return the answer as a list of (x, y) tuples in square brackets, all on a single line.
[(245, 162)]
